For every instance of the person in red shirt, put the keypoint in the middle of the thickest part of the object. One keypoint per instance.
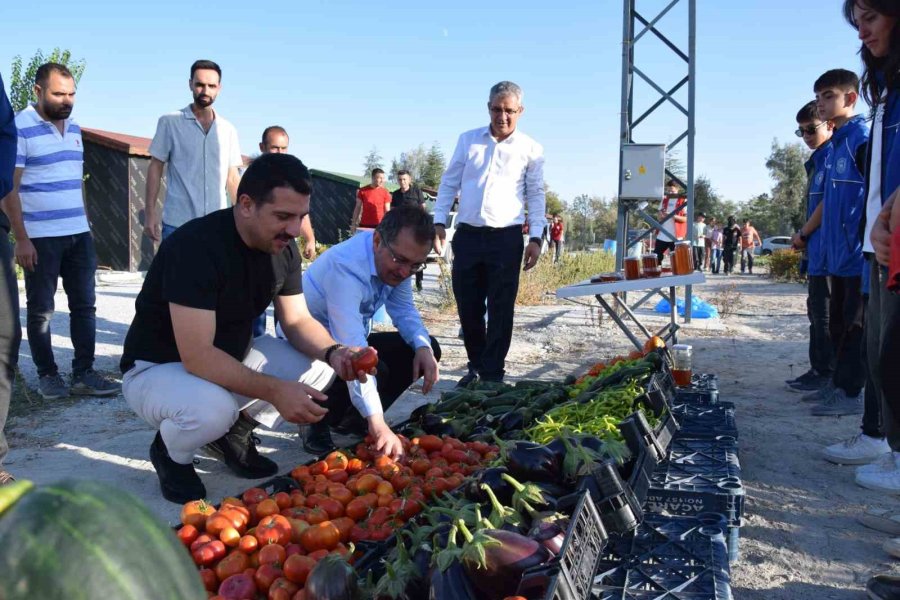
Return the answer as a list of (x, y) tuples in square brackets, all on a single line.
[(556, 236), (372, 202)]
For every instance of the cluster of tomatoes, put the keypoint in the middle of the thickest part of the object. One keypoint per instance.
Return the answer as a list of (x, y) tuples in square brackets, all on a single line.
[(266, 546)]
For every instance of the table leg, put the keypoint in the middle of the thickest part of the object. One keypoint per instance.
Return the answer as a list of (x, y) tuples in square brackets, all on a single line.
[(618, 321), (673, 315)]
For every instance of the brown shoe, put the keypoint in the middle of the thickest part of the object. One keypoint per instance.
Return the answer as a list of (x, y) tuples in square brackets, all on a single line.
[(6, 477)]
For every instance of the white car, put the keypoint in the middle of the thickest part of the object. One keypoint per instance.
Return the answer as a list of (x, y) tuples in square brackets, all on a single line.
[(771, 244)]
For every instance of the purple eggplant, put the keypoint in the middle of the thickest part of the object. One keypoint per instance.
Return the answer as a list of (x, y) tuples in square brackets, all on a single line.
[(495, 559), (550, 532), (492, 477), (532, 462), (453, 582)]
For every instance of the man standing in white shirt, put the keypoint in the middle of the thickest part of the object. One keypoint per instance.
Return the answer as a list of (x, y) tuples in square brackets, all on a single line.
[(53, 238), (202, 153), (498, 173)]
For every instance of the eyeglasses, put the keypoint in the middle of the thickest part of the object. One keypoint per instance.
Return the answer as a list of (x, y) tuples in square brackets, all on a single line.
[(496, 110), (413, 267), (811, 130)]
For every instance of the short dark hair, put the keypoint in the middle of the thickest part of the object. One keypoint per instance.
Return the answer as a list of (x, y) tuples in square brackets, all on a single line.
[(837, 78), (809, 113), (376, 171), (419, 221), (43, 72), (270, 129), (270, 171), (400, 172), (205, 64)]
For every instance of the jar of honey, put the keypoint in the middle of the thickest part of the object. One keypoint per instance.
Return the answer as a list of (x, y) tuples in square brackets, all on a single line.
[(632, 267), (650, 265), (683, 259), (681, 364)]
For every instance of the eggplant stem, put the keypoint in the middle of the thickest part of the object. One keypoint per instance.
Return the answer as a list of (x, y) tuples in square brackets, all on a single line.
[(512, 481), (461, 525)]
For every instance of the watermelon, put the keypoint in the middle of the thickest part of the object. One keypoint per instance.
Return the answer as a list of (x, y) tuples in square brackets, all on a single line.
[(84, 539)]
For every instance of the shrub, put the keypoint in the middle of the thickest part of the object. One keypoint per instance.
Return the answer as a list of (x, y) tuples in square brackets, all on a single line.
[(784, 265), (547, 276)]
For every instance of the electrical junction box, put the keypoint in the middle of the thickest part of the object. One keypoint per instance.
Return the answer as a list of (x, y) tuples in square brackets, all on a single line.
[(643, 171)]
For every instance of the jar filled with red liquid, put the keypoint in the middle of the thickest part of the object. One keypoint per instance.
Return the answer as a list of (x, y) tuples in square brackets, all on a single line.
[(632, 267), (683, 263), (681, 364), (650, 265)]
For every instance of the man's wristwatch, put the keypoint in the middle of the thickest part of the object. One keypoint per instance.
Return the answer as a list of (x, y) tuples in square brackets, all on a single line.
[(330, 350), (535, 240)]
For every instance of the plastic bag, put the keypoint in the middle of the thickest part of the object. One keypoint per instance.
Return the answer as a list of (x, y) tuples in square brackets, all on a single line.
[(700, 309)]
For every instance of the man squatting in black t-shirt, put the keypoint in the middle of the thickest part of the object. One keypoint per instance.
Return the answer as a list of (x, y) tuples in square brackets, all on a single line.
[(191, 368)]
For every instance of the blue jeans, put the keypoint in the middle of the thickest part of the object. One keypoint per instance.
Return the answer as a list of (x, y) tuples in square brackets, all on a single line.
[(716, 261), (71, 257), (167, 230)]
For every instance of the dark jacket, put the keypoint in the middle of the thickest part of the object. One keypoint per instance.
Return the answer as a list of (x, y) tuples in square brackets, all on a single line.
[(815, 190), (8, 143), (844, 199)]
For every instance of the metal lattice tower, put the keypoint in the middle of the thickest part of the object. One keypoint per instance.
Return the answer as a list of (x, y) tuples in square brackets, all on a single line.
[(635, 27)]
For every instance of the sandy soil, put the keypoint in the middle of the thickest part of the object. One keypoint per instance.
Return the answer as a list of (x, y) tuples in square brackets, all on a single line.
[(800, 539)]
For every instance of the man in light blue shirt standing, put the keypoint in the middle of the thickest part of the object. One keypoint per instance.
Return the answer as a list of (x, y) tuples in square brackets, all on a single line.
[(344, 288)]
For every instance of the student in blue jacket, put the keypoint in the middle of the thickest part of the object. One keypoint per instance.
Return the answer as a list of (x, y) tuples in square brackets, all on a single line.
[(816, 134), (840, 214), (9, 314)]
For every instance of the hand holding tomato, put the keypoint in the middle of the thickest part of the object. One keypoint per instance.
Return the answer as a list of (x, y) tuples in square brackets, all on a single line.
[(354, 362)]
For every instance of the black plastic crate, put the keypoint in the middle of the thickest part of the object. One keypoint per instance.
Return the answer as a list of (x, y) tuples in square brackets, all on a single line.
[(697, 476), (570, 576), (705, 420), (704, 389), (667, 557), (619, 508)]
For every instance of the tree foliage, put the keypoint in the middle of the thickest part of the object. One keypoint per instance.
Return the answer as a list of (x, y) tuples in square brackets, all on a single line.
[(590, 220), (425, 166), (434, 167), (21, 85), (787, 204), (372, 161), (555, 205)]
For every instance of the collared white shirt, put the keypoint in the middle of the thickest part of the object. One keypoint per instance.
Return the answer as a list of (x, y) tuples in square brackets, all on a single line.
[(51, 185), (343, 292), (197, 164), (496, 181)]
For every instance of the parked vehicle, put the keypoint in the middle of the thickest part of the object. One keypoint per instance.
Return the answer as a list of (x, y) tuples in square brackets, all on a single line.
[(448, 248), (771, 244)]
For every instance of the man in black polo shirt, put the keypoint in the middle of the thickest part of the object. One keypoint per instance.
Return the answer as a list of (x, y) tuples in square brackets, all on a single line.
[(408, 195), (191, 368)]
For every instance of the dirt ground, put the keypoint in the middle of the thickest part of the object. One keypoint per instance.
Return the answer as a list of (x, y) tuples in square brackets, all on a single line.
[(799, 541)]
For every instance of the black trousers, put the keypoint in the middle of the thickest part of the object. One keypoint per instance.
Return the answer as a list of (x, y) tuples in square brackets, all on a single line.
[(883, 351), (486, 265), (728, 258), (10, 333), (818, 301), (660, 247), (395, 374), (699, 255), (846, 324)]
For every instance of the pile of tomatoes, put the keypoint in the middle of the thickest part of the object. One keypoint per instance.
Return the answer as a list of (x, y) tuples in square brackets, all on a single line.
[(262, 546)]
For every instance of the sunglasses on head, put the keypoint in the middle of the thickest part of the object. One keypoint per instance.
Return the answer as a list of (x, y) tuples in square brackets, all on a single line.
[(810, 130)]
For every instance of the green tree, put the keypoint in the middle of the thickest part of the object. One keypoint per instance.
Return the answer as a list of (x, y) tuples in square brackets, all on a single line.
[(434, 167), (372, 161), (21, 85), (788, 196), (555, 205)]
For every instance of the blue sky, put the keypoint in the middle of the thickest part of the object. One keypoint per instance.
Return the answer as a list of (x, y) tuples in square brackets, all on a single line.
[(346, 75)]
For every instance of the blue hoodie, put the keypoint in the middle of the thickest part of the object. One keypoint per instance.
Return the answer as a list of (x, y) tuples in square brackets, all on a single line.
[(815, 172), (844, 201)]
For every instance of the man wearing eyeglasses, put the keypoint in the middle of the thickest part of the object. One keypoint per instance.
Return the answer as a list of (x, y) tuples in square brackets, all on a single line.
[(498, 172), (344, 288)]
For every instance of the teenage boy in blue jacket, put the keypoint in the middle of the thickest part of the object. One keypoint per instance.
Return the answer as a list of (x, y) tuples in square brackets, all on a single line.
[(816, 134), (840, 214)]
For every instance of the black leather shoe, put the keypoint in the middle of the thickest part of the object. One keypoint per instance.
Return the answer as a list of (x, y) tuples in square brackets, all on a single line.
[(238, 450), (883, 587), (353, 425), (467, 379), (178, 483), (318, 439)]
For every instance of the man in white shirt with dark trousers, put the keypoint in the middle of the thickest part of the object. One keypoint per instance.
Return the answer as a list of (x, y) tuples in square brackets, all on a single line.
[(498, 172)]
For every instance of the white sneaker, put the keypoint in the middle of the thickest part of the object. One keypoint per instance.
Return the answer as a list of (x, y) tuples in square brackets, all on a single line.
[(858, 450), (885, 462), (886, 480)]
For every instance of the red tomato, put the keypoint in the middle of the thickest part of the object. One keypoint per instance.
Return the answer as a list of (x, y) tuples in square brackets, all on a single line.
[(365, 359), (283, 589), (238, 587), (209, 553), (188, 534), (254, 496), (430, 443), (265, 575), (232, 565), (337, 460), (209, 579), (195, 513), (354, 465), (297, 568), (344, 525), (248, 544), (272, 554), (283, 499), (357, 509), (318, 468), (323, 536)]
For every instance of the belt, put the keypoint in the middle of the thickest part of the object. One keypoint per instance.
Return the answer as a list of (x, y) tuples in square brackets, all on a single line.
[(467, 227)]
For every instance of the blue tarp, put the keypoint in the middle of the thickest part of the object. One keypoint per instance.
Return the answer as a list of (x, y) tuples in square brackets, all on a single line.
[(700, 309)]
